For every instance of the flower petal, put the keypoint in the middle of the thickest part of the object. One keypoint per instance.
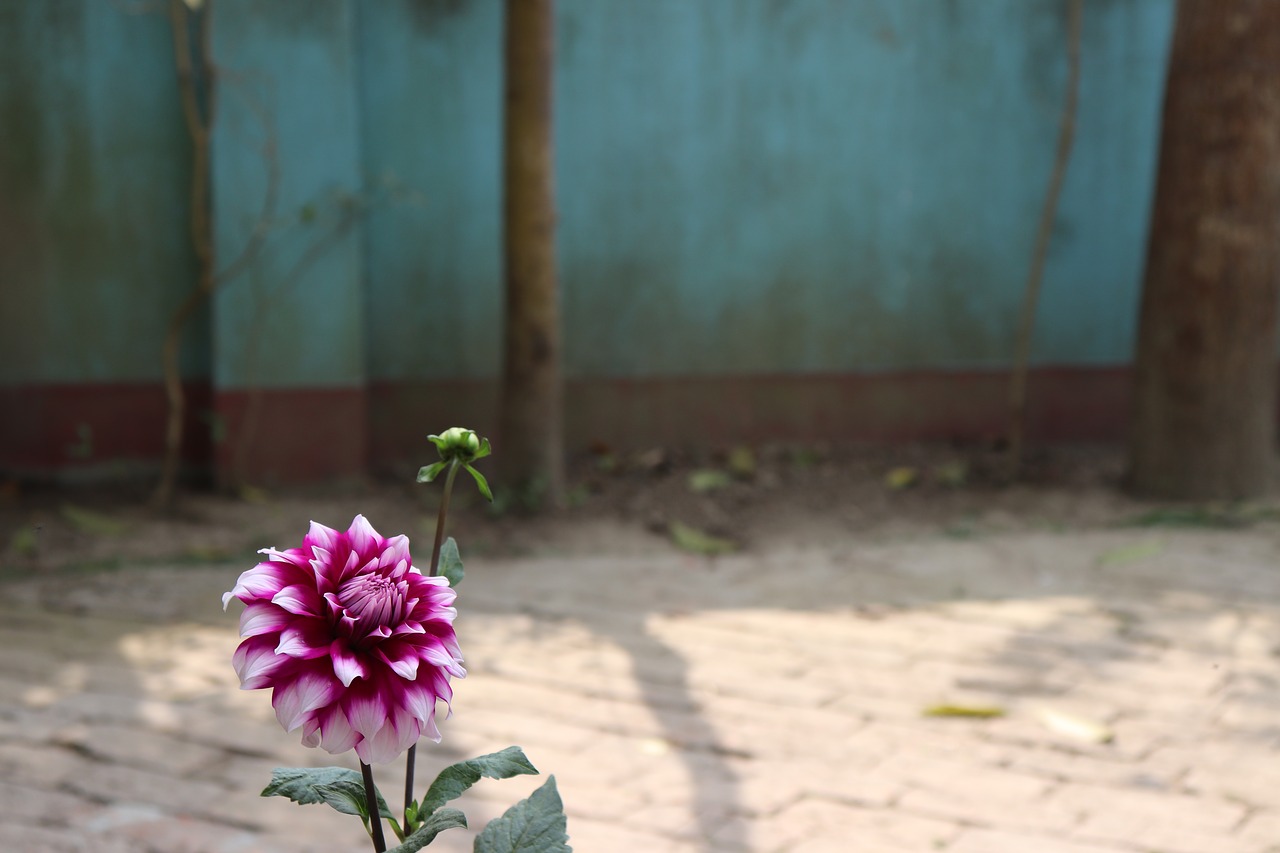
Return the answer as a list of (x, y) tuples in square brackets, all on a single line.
[(347, 665), (364, 539), (336, 734), (395, 551), (300, 600), (262, 617), (261, 582), (403, 658), (304, 638), (320, 536), (399, 732), (255, 661), (296, 700)]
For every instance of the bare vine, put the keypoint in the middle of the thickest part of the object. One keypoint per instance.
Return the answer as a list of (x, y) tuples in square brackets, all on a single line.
[(199, 123), (1031, 298)]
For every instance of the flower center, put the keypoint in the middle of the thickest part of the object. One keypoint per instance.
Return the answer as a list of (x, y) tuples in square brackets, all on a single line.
[(373, 600)]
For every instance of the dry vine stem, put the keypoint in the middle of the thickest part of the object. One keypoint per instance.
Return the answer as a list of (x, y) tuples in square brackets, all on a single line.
[(198, 125), (1031, 299)]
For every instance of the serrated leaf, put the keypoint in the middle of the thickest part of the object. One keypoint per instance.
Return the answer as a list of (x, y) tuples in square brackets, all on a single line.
[(457, 778), (481, 483), (708, 480), (450, 566), (427, 473), (694, 540), (535, 825), (437, 823), (337, 787)]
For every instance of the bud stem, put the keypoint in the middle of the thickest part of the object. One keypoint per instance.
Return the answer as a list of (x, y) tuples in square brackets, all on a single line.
[(411, 757)]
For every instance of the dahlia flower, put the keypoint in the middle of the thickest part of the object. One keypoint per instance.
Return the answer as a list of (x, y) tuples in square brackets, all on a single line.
[(354, 642)]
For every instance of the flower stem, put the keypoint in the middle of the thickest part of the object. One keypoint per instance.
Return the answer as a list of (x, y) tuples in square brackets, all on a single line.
[(435, 570), (375, 818), (444, 511)]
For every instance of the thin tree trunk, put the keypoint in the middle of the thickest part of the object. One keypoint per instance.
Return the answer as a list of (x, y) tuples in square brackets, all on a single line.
[(531, 431), (1205, 387)]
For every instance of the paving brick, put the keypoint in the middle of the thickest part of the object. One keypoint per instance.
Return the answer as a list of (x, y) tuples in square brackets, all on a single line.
[(1158, 820), (999, 841), (817, 825)]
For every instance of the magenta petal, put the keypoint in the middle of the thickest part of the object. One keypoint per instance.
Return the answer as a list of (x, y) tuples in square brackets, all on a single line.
[(299, 600), (320, 536), (395, 551), (402, 658), (262, 581), (364, 538), (347, 665), (255, 661), (311, 732), (260, 617), (295, 701), (336, 734), (305, 639), (399, 732), (366, 713)]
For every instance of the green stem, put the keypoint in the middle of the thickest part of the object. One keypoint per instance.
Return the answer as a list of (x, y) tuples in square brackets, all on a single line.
[(444, 511), (410, 759), (371, 800)]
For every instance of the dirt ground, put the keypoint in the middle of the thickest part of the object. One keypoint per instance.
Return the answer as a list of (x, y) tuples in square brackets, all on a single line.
[(742, 499)]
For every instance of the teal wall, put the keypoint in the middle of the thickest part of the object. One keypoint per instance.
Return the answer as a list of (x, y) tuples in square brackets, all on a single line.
[(745, 187), (94, 176), (764, 187)]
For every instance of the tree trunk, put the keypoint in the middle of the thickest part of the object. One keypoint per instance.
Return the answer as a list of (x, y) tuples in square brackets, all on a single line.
[(531, 449), (1205, 385)]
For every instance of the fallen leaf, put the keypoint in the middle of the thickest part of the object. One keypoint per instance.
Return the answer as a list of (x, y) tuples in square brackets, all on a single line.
[(742, 462), (708, 480), (952, 474), (696, 541), (1131, 553), (978, 712), (88, 521), (901, 478), (1074, 727)]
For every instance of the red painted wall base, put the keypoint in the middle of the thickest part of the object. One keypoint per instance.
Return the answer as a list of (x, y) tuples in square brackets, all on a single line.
[(298, 435)]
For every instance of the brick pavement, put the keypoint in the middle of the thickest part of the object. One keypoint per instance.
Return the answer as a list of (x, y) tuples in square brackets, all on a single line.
[(764, 703)]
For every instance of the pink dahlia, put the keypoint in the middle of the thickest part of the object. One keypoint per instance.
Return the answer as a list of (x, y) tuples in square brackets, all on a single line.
[(354, 642)]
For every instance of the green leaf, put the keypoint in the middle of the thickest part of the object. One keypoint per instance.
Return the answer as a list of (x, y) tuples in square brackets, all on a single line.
[(427, 473), (457, 778), (694, 540), (482, 483), (450, 566), (484, 450), (437, 823), (535, 825), (338, 787)]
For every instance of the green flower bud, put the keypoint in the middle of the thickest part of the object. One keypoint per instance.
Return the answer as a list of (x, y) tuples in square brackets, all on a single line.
[(461, 444)]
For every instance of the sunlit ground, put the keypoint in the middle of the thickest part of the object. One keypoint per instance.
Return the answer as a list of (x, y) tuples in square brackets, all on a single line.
[(1099, 691)]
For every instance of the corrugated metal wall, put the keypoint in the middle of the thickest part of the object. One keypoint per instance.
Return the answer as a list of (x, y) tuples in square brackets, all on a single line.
[(746, 188)]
